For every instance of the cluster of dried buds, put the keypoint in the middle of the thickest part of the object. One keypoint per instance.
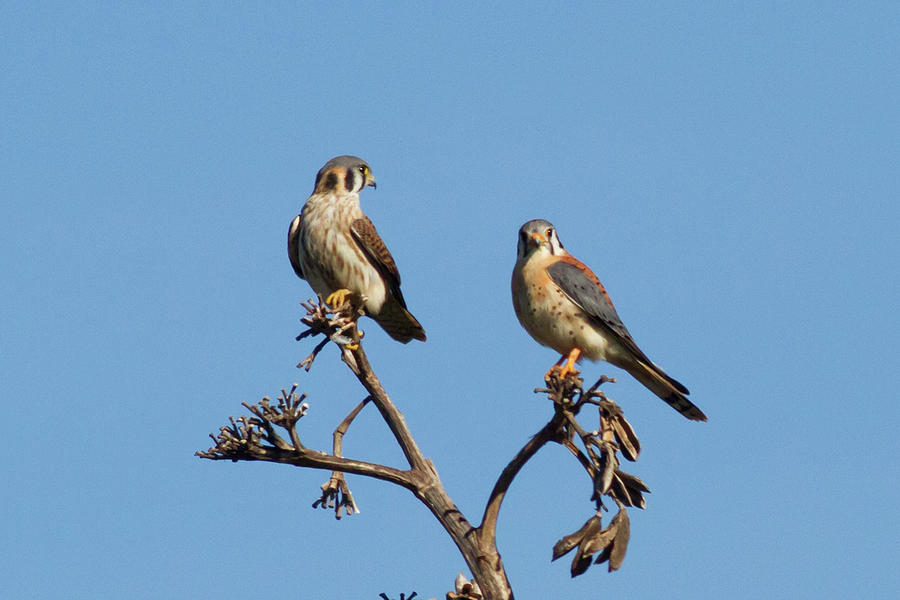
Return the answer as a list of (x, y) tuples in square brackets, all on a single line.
[(465, 589), (234, 441), (598, 455), (243, 438), (336, 495), (338, 325)]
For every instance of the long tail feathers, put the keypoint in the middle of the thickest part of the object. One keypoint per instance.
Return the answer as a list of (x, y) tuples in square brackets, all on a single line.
[(399, 322), (673, 393)]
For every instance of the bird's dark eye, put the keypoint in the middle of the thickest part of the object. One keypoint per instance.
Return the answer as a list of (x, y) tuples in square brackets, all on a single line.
[(549, 233), (363, 169)]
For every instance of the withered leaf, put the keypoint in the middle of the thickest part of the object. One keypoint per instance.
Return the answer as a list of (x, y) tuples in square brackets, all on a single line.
[(628, 489), (626, 438), (582, 560), (565, 545), (610, 466), (633, 482), (615, 551), (580, 563), (601, 540)]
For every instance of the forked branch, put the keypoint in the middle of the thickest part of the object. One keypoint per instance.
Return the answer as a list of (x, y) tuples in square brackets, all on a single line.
[(272, 434)]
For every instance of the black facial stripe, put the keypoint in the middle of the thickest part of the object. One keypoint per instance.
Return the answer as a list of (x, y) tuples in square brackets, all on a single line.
[(350, 180), (331, 180)]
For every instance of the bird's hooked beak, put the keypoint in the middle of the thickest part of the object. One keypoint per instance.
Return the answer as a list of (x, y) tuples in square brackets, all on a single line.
[(538, 238), (370, 180)]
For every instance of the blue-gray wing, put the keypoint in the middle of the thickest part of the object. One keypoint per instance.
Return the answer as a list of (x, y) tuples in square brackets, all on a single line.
[(584, 289)]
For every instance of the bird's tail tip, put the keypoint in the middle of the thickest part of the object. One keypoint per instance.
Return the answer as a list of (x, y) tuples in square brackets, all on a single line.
[(400, 324), (669, 389)]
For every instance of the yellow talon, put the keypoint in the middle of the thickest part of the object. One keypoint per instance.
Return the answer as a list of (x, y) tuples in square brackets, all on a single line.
[(337, 298), (352, 347)]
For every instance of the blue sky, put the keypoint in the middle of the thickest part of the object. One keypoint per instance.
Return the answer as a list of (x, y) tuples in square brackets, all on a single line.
[(729, 171)]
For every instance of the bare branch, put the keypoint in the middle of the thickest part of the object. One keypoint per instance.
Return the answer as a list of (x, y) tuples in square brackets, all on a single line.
[(563, 393), (335, 492), (549, 432), (341, 430), (341, 329), (256, 437), (243, 440)]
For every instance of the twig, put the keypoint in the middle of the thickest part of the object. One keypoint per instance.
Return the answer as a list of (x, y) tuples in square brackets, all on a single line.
[(335, 492), (549, 432)]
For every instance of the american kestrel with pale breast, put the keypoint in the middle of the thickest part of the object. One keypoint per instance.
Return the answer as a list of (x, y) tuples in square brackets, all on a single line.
[(561, 304), (335, 247)]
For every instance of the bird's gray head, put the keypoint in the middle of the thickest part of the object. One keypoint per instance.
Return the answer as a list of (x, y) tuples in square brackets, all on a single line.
[(539, 235), (344, 174)]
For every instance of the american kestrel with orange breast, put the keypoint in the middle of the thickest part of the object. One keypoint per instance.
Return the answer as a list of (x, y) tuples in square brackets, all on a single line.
[(561, 304), (335, 247)]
